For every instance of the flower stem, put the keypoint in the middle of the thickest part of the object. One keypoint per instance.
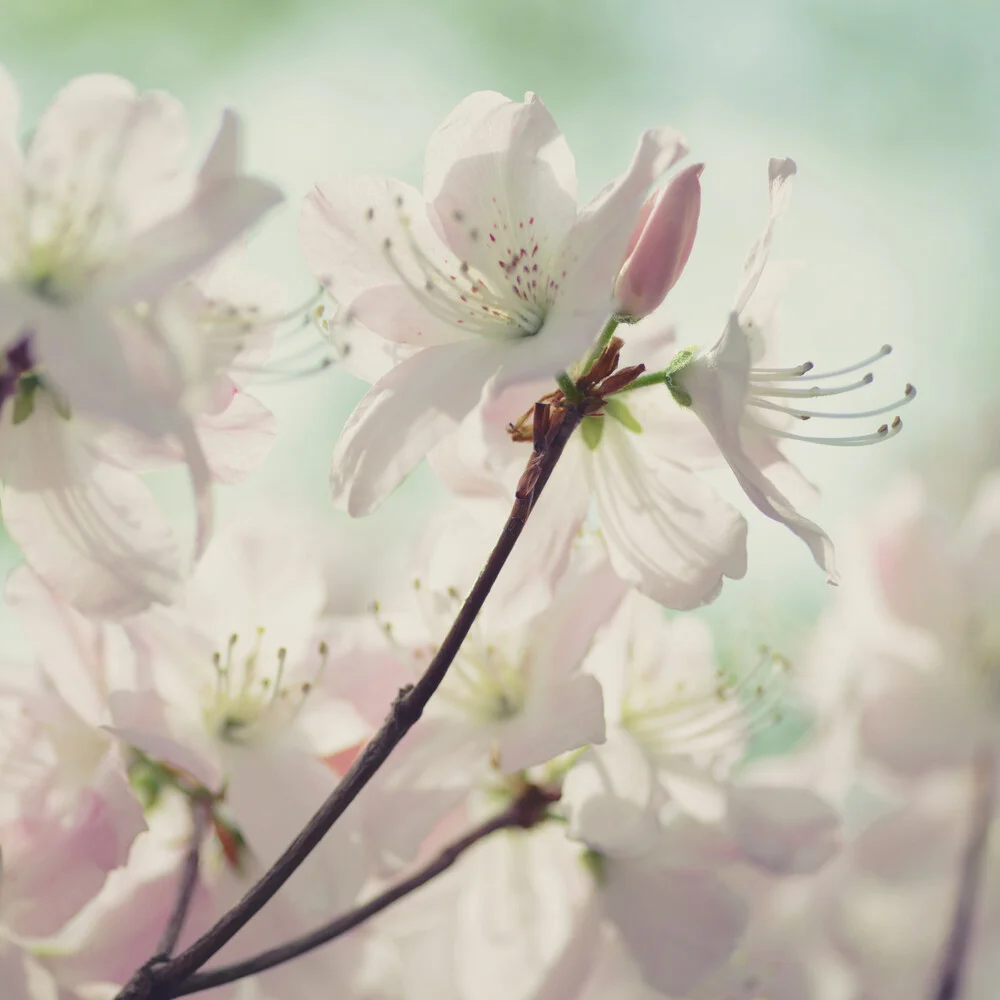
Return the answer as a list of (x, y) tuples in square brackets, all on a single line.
[(161, 981), (526, 811), (984, 779), (201, 811), (649, 378), (569, 388), (602, 341)]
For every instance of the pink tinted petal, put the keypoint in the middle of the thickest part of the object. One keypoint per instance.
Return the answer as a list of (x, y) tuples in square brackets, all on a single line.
[(502, 182), (678, 925), (668, 533), (237, 440), (402, 417), (102, 544), (783, 830), (70, 856), (18, 984), (923, 725), (659, 250)]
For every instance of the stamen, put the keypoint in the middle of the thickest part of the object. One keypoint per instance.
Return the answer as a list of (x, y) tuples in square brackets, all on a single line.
[(779, 374), (814, 391), (908, 395), (884, 432), (883, 351)]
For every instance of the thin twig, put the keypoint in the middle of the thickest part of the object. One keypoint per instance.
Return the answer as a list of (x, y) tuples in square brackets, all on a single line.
[(953, 963), (406, 710), (528, 810), (201, 810)]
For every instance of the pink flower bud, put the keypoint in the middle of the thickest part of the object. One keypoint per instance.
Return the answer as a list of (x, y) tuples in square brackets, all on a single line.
[(660, 244)]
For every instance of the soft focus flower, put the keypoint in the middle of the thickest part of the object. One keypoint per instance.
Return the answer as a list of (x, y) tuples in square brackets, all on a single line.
[(103, 333), (491, 278)]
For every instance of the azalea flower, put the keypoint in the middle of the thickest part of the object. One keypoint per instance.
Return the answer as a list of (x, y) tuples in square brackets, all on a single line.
[(738, 402), (492, 278), (101, 327)]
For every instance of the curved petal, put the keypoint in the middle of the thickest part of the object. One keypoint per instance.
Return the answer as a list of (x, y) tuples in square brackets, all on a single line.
[(668, 533), (779, 186), (109, 157), (678, 925), (402, 417), (103, 543), (344, 228), (502, 182), (717, 384), (237, 440)]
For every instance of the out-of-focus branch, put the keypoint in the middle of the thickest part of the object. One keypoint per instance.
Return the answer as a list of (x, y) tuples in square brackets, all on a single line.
[(526, 811), (984, 778)]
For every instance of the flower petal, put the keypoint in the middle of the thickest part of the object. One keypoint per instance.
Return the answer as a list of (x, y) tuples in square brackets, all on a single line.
[(717, 383), (403, 416), (779, 182), (678, 925), (101, 543), (784, 830), (502, 182), (668, 533)]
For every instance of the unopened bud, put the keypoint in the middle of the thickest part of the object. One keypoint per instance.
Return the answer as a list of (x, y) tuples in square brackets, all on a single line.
[(660, 244)]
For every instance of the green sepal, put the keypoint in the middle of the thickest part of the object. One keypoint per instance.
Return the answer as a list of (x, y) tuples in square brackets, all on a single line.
[(591, 430), (671, 374), (24, 405), (617, 409), (593, 861)]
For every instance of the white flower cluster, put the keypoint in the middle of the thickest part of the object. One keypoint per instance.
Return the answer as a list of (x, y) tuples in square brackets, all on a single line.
[(196, 703)]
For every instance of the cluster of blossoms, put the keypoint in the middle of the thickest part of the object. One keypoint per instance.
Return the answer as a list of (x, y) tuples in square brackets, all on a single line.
[(192, 705)]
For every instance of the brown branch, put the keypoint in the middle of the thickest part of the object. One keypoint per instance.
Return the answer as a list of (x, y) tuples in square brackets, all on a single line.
[(528, 810), (984, 776), (157, 982), (201, 810)]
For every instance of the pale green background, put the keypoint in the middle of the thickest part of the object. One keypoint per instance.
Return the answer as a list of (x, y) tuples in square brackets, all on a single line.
[(889, 107)]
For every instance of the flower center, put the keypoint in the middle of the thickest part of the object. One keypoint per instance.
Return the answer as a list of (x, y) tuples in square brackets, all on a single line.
[(708, 719), (504, 300), (249, 695)]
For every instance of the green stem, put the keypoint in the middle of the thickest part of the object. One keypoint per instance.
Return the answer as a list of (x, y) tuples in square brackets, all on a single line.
[(649, 378), (569, 388), (602, 341)]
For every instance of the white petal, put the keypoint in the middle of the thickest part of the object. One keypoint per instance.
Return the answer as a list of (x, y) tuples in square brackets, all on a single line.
[(568, 716), (609, 796), (779, 178), (402, 417), (717, 383), (678, 925), (784, 830), (237, 440), (11, 178), (501, 179), (108, 157), (102, 543), (183, 243), (668, 533), (343, 228)]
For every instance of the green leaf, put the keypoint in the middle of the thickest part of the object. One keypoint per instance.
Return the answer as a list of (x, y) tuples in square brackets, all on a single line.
[(592, 428), (617, 409)]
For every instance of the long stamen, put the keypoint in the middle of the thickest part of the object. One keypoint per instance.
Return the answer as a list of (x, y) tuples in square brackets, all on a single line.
[(780, 374), (883, 351), (884, 432), (814, 391), (908, 395)]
